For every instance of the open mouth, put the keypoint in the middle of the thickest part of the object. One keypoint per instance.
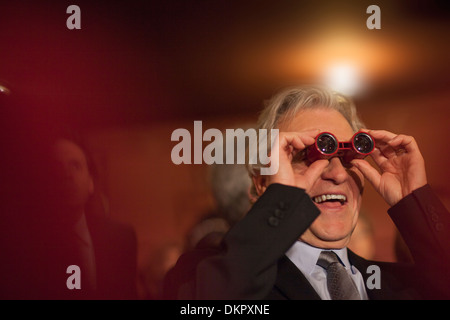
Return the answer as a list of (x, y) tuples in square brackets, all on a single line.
[(330, 198)]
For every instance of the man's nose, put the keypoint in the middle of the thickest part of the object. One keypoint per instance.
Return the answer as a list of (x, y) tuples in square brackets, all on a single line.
[(335, 171)]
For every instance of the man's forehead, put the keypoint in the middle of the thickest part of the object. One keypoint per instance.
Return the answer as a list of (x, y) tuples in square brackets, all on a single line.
[(323, 119)]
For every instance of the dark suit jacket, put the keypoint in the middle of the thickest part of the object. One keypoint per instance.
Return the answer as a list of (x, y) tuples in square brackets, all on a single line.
[(115, 246), (251, 263)]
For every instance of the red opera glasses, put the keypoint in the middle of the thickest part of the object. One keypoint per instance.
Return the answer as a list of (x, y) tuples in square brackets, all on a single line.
[(327, 146)]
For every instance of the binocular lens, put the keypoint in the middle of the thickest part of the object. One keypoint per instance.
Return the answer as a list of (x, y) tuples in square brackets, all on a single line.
[(327, 143), (363, 143)]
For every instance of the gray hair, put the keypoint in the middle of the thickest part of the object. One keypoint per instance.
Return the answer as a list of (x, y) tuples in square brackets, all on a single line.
[(288, 102)]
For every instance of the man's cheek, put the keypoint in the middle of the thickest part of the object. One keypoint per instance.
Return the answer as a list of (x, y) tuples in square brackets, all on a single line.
[(358, 179)]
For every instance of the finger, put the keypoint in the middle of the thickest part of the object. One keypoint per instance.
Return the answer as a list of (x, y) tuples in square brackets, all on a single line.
[(386, 150), (308, 137), (382, 138), (382, 135), (316, 168), (298, 140), (314, 171), (378, 157), (369, 172), (406, 142), (291, 144)]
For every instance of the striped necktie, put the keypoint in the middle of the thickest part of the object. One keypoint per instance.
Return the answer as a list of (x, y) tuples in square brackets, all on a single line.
[(340, 284)]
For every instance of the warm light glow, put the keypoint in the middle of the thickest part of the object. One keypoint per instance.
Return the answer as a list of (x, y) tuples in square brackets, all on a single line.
[(344, 78), (4, 90), (370, 61)]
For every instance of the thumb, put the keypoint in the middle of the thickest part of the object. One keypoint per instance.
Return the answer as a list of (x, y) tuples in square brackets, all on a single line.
[(314, 171), (369, 172)]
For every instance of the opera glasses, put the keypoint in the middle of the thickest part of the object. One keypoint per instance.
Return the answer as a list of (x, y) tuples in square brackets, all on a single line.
[(327, 146)]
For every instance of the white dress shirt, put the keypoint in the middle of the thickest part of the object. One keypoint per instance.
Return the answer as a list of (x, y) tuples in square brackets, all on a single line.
[(305, 259)]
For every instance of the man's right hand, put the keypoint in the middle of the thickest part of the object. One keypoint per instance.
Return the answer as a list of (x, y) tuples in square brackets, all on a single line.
[(285, 149)]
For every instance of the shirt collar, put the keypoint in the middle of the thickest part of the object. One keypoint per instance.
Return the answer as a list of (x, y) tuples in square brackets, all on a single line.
[(305, 256)]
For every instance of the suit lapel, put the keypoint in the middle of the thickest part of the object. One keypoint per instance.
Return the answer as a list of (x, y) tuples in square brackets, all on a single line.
[(391, 276), (292, 283), (294, 286), (361, 264)]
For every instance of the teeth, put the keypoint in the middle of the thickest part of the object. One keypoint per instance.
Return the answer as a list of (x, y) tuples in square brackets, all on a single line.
[(326, 197)]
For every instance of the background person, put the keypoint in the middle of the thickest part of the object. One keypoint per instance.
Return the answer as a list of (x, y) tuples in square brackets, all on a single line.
[(55, 231)]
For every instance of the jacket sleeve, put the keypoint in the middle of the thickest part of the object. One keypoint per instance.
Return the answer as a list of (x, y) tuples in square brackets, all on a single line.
[(247, 267), (424, 223)]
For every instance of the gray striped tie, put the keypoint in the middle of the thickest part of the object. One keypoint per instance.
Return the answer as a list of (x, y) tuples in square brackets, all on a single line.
[(340, 285)]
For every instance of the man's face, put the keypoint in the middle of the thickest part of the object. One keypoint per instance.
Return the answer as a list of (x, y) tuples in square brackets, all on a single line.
[(334, 225), (74, 181)]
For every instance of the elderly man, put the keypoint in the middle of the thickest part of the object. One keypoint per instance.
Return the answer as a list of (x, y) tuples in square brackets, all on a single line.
[(292, 244)]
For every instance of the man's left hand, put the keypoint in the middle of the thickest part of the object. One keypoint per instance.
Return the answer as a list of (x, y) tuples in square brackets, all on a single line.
[(402, 167)]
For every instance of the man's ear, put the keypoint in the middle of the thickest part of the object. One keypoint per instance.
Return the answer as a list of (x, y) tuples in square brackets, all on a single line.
[(259, 182)]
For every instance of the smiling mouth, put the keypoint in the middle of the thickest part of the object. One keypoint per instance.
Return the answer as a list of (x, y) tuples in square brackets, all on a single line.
[(342, 199)]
